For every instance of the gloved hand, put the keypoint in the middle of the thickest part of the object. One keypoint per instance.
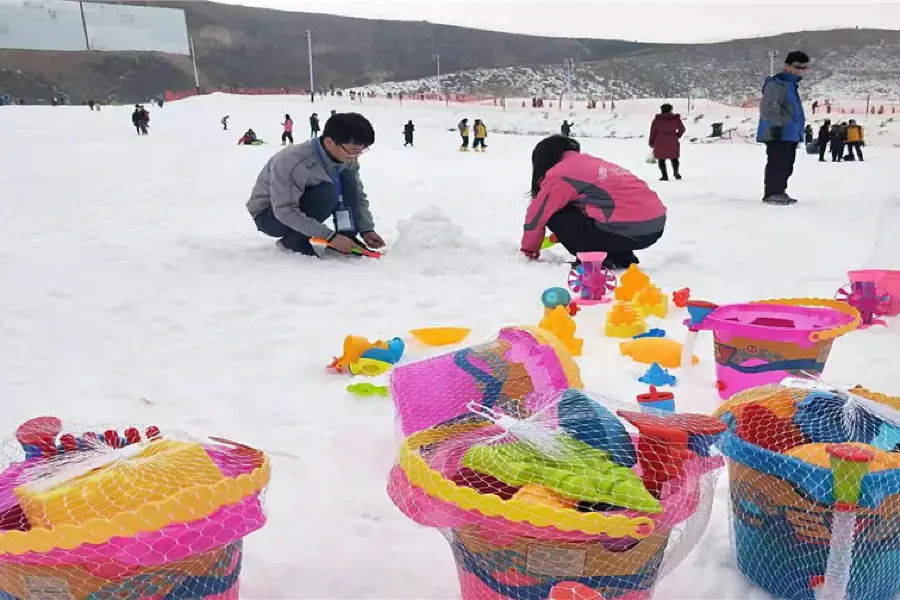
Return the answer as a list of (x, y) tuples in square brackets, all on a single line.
[(343, 244), (531, 254), (776, 133)]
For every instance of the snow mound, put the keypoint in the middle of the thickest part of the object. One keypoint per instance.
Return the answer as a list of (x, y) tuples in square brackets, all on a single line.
[(429, 230)]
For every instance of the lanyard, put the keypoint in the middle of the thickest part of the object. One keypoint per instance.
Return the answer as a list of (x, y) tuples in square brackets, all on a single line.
[(332, 172)]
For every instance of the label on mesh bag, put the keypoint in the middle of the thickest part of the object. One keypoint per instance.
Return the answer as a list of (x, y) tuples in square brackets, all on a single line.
[(556, 562), (47, 588)]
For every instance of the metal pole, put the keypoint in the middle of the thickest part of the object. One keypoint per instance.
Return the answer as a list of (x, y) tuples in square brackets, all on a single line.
[(87, 40), (437, 59), (772, 54), (312, 84), (194, 61)]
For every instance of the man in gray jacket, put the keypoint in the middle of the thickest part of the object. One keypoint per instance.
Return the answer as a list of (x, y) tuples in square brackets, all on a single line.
[(303, 187)]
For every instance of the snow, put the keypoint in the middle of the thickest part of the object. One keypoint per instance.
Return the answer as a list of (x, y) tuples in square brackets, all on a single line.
[(136, 289)]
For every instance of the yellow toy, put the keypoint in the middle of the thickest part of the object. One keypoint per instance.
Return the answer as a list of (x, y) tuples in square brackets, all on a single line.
[(652, 301), (625, 321), (632, 281), (157, 472), (369, 367), (440, 336), (664, 351), (559, 323)]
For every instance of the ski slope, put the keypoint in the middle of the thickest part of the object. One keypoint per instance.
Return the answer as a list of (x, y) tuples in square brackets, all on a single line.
[(135, 288)]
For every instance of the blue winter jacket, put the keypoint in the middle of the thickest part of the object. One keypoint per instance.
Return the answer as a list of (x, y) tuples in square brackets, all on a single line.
[(781, 107)]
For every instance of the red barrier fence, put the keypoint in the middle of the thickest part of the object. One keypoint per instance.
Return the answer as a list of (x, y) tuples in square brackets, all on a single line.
[(171, 96)]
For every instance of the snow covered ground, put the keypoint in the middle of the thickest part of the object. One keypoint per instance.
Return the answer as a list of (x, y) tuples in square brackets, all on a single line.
[(135, 288)]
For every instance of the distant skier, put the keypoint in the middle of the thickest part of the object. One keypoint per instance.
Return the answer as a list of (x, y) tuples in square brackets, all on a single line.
[(838, 140), (408, 131), (463, 127), (140, 118), (288, 134), (824, 138), (855, 141), (224, 123), (136, 118), (480, 136), (314, 125), (808, 134), (566, 129), (249, 139), (665, 136), (91, 105)]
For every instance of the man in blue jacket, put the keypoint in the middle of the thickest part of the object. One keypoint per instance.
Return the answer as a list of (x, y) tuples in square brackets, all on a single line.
[(781, 124)]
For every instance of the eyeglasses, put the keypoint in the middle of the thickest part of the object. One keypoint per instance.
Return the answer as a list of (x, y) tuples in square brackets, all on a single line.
[(354, 149)]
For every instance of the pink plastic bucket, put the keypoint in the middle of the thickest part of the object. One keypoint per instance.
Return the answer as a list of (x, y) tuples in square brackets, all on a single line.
[(886, 281), (518, 363), (758, 344)]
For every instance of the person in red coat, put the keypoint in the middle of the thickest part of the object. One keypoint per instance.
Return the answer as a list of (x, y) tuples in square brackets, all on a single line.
[(665, 133)]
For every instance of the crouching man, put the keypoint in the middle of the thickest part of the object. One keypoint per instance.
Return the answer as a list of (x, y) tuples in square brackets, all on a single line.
[(313, 190)]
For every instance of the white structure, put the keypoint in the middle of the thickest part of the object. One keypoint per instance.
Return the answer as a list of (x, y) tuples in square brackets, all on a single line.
[(76, 26)]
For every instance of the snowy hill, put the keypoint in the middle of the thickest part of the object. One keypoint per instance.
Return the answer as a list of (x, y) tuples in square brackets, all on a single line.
[(846, 63)]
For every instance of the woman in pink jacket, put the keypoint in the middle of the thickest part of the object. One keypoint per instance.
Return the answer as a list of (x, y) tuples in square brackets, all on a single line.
[(589, 204), (288, 134)]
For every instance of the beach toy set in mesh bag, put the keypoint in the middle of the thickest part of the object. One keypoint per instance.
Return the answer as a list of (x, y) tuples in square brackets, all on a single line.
[(814, 475), (136, 515), (551, 493)]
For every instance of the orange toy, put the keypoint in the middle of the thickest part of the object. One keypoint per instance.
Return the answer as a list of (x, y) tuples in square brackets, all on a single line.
[(664, 351), (652, 301), (354, 347), (625, 321), (632, 281), (559, 323)]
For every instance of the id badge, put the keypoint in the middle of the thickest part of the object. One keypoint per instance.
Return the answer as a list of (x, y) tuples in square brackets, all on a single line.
[(343, 221)]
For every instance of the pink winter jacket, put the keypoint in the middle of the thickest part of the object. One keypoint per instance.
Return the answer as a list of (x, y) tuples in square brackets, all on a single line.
[(288, 126), (615, 198)]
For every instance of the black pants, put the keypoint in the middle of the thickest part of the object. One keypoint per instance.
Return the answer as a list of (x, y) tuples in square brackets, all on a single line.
[(823, 146), (317, 202), (287, 136), (465, 140), (779, 166), (313, 133), (851, 146), (579, 233), (676, 164), (837, 151), (409, 139), (478, 143)]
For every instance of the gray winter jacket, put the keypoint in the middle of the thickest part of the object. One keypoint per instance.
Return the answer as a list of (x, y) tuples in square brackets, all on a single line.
[(284, 178)]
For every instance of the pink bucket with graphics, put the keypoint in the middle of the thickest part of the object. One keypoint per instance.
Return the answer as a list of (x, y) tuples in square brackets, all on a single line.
[(764, 342), (520, 362), (887, 282)]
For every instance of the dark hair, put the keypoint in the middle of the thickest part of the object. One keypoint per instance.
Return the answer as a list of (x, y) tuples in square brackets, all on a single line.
[(349, 128), (286, 116), (796, 56), (665, 108), (548, 152)]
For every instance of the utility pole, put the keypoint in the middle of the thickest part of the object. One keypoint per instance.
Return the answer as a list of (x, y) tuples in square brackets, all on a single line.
[(437, 60), (194, 61), (772, 54), (312, 84), (87, 40)]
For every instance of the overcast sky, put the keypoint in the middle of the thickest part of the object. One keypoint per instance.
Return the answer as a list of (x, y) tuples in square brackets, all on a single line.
[(638, 21)]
